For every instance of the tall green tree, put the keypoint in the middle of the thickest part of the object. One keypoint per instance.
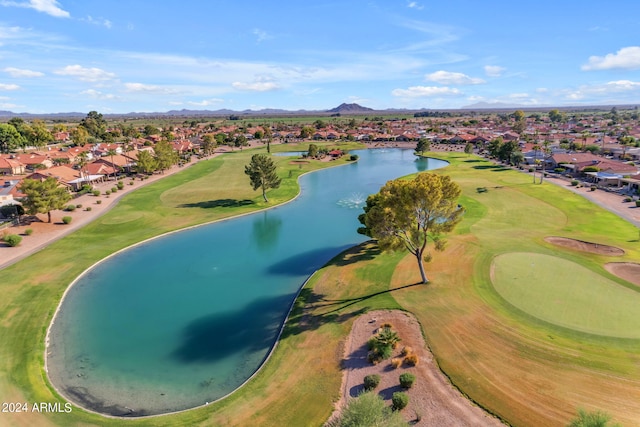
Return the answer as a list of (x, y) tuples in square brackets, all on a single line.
[(408, 214), (166, 156), (146, 162), (10, 138), (94, 124), (423, 145), (79, 136), (39, 135), (262, 173), (43, 196)]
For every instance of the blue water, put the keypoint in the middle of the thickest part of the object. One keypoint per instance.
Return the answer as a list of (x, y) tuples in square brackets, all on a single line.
[(185, 319)]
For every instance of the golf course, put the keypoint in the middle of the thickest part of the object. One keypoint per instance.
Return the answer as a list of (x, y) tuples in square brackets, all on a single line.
[(528, 330)]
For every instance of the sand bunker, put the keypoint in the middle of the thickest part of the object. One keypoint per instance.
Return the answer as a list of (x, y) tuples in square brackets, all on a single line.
[(579, 245), (628, 271)]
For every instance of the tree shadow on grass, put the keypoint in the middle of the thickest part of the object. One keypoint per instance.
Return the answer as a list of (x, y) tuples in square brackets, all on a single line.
[(494, 168), (364, 252), (219, 203)]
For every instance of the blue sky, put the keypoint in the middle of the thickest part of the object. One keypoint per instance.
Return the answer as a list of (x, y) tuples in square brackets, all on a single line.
[(143, 56)]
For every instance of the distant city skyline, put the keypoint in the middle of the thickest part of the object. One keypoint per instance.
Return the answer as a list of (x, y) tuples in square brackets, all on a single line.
[(149, 56)]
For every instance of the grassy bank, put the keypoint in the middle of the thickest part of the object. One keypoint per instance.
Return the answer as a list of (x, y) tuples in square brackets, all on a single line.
[(527, 370)]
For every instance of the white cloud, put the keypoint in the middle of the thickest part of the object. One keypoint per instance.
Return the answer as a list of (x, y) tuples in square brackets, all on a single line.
[(97, 94), (50, 7), (449, 78), (414, 5), (146, 88), (85, 74), (626, 58), (425, 91), (206, 102), (99, 21), (614, 88), (493, 70), (261, 35), (261, 86), (4, 86), (17, 72)]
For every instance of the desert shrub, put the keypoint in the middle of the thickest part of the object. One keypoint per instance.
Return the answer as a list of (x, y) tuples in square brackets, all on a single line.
[(559, 170), (593, 188), (638, 203), (406, 350), (130, 182), (575, 182), (98, 202), (396, 362), (79, 206), (12, 240), (411, 359), (114, 189), (28, 231), (387, 337), (592, 419), (407, 380), (106, 193), (368, 410), (371, 381), (353, 157), (96, 192), (399, 401), (531, 169), (66, 219), (70, 208), (120, 185), (88, 209), (385, 325), (627, 199)]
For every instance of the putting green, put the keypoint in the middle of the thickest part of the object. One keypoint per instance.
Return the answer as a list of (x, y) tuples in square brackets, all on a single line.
[(566, 294)]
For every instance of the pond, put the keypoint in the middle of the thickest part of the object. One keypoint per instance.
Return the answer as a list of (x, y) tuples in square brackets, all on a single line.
[(185, 319)]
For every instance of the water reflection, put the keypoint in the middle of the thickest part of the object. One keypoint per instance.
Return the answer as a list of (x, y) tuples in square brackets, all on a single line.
[(266, 230)]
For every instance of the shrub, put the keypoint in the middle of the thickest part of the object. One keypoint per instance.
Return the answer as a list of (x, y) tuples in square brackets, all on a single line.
[(638, 203), (114, 189), (88, 209), (106, 193), (130, 182), (70, 208), (593, 188), (396, 362), (406, 350), (407, 380), (12, 240), (353, 157), (368, 410), (531, 169), (575, 182), (411, 359), (66, 219), (79, 206), (120, 185), (399, 401), (96, 193), (28, 231), (98, 202), (371, 381)]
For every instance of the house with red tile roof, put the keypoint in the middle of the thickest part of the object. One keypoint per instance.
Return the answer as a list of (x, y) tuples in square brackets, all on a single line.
[(11, 166)]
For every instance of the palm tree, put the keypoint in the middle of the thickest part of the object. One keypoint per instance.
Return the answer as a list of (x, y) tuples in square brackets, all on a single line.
[(111, 152), (82, 162), (536, 148)]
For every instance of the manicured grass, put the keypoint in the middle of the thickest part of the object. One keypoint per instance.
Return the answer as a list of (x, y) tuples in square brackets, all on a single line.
[(527, 371), (566, 294)]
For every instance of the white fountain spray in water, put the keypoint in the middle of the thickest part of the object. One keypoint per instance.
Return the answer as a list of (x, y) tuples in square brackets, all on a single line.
[(355, 201)]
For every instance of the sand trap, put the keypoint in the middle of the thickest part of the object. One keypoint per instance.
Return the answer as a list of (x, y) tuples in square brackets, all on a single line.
[(579, 245), (629, 271)]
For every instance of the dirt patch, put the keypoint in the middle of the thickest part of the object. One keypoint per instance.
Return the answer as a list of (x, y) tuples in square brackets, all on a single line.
[(432, 399), (629, 271), (579, 245)]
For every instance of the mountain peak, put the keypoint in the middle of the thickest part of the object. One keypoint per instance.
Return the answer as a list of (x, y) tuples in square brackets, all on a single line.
[(349, 108)]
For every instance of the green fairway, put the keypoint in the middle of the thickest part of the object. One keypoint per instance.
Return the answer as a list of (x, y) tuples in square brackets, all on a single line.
[(567, 294)]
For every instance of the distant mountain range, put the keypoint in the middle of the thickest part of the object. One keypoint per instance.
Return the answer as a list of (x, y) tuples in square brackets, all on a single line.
[(342, 109)]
